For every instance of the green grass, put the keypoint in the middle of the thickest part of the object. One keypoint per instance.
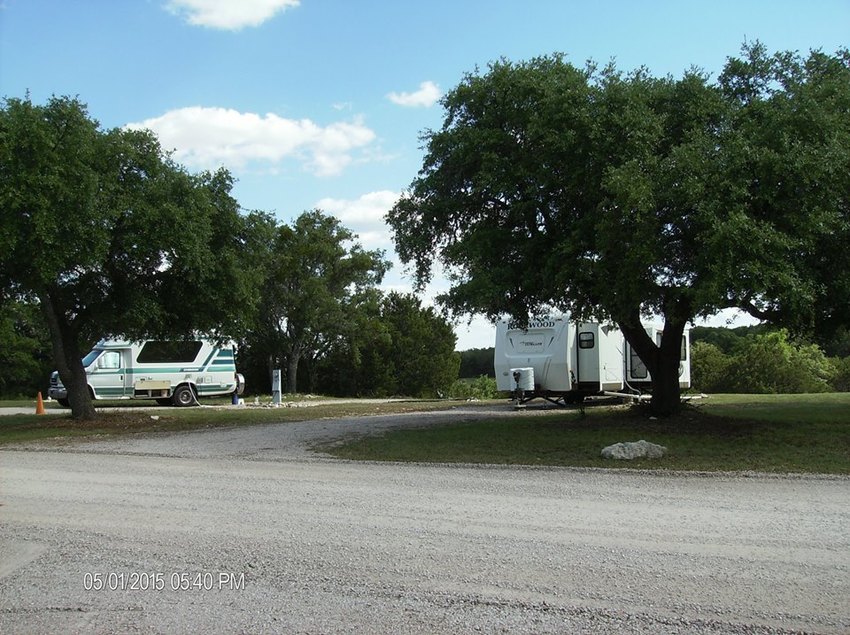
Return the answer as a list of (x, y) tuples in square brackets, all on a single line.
[(27, 403), (815, 408), (138, 419), (769, 433)]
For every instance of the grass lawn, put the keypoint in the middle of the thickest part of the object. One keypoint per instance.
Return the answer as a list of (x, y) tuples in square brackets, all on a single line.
[(138, 417), (768, 433)]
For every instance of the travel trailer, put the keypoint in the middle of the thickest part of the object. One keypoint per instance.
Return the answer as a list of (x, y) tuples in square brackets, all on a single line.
[(174, 372), (559, 360)]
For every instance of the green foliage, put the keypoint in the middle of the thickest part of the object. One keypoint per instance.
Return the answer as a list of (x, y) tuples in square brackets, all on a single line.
[(315, 274), (792, 141), (110, 237), (710, 368), (402, 349), (113, 231), (25, 360), (841, 378), (766, 363), (477, 361), (728, 340), (423, 354), (354, 365), (480, 388), (772, 364), (839, 344)]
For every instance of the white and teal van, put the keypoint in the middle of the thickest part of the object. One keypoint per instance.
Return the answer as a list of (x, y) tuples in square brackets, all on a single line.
[(175, 372)]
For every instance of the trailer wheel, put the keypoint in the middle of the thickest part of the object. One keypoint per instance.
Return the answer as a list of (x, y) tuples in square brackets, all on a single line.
[(183, 396)]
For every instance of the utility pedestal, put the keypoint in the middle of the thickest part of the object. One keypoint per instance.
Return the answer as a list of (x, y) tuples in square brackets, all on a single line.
[(276, 387)]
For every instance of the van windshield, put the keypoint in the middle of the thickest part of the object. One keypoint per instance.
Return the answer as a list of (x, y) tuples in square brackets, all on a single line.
[(88, 359)]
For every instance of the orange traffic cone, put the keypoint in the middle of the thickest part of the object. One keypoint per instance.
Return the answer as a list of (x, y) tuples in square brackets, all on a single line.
[(39, 405)]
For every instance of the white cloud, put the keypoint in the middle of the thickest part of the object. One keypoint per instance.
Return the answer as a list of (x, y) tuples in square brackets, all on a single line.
[(364, 216), (209, 137), (229, 15), (425, 97)]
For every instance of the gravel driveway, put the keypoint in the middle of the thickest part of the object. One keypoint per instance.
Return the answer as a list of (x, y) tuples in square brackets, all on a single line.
[(245, 530)]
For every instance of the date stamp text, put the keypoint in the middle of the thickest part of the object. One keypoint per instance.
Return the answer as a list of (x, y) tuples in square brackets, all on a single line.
[(158, 581)]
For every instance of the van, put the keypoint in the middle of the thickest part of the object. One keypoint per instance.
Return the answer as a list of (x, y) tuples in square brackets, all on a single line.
[(176, 372)]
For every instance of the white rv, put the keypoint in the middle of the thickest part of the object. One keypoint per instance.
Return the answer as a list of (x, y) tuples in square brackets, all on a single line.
[(175, 372), (556, 359)]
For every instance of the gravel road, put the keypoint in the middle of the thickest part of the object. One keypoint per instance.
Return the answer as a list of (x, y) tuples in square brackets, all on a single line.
[(246, 530)]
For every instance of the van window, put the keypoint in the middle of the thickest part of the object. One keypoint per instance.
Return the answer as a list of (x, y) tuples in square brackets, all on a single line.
[(88, 359), (585, 340), (181, 351), (109, 360)]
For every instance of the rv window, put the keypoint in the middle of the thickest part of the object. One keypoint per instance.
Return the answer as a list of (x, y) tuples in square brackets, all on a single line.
[(169, 352), (585, 340), (638, 368), (109, 360)]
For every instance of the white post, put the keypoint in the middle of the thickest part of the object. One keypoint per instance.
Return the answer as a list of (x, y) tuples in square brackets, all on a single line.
[(276, 387)]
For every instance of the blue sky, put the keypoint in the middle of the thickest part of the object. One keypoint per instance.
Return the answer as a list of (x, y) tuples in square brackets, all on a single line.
[(321, 103)]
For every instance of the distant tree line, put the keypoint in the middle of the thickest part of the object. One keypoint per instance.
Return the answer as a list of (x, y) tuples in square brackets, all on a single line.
[(476, 362), (386, 344)]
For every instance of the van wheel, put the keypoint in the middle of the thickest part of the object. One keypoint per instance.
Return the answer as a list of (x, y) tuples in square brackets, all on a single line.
[(183, 396)]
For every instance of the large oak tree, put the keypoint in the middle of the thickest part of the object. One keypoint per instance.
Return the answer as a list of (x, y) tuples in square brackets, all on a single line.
[(315, 274), (623, 196), (111, 237)]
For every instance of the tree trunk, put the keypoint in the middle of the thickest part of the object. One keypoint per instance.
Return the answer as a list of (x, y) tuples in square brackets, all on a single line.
[(292, 370), (666, 392), (68, 360), (270, 367), (312, 373), (661, 362)]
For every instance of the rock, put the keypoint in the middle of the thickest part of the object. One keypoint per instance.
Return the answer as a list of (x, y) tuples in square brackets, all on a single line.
[(634, 450)]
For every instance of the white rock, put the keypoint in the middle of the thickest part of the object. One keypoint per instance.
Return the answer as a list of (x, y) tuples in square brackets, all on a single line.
[(634, 450)]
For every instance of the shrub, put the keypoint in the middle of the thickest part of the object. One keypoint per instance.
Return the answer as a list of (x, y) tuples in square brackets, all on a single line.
[(481, 387), (770, 363), (841, 378), (709, 368)]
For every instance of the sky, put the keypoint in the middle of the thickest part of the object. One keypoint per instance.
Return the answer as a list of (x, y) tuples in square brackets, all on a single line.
[(323, 103)]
